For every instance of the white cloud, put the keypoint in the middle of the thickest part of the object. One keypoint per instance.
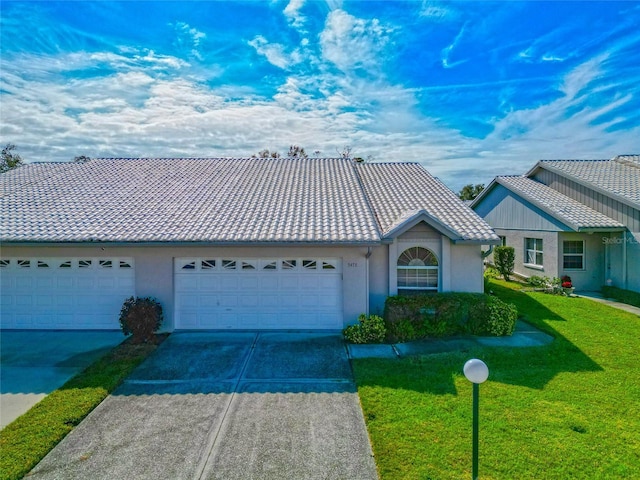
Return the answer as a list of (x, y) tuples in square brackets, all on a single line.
[(445, 55), (275, 53), (350, 42), (436, 11), (292, 12), (150, 104), (189, 38)]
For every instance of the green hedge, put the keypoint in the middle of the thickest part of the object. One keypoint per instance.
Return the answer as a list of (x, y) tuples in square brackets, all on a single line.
[(369, 329), (625, 296), (445, 314)]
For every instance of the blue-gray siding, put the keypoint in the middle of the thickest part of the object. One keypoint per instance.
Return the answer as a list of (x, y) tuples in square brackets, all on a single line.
[(501, 208), (615, 209)]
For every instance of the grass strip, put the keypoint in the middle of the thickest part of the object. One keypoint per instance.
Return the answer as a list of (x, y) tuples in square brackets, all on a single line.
[(566, 410), (26, 441)]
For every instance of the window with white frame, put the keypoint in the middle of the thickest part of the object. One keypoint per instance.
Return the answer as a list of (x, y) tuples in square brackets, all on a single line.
[(573, 254), (533, 251), (417, 270)]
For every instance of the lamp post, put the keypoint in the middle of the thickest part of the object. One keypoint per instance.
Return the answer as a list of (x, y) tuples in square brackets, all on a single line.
[(476, 372)]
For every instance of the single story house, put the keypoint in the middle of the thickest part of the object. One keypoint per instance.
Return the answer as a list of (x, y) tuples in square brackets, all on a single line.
[(247, 243), (579, 218)]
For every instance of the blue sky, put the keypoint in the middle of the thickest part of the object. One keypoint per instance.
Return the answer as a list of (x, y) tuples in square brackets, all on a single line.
[(469, 89)]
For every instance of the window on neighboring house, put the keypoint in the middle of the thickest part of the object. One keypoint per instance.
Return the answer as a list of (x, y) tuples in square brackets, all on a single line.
[(573, 254), (533, 251), (417, 270)]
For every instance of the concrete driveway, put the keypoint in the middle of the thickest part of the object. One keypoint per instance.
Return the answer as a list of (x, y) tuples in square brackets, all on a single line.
[(34, 363), (226, 406)]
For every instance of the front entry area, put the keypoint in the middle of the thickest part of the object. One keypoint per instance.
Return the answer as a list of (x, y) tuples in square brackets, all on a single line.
[(250, 293)]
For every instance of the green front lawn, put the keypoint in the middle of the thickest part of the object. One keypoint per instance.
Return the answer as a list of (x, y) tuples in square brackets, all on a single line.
[(24, 442), (567, 410)]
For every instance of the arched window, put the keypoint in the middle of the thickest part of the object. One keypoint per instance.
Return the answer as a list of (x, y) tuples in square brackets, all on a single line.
[(417, 270)]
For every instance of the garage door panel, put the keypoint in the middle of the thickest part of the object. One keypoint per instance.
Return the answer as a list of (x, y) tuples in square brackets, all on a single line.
[(269, 283), (23, 320), (275, 294), (288, 301), (64, 293), (308, 300), (42, 301), (64, 282), (248, 282), (206, 300), (269, 300), (327, 302), (46, 321), (127, 284), (23, 301), (209, 282), (45, 282), (24, 282), (229, 282), (186, 283), (86, 301), (249, 301), (289, 282), (189, 319), (250, 320), (64, 300)]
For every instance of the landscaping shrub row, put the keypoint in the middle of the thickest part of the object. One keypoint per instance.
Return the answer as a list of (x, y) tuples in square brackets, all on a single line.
[(414, 317), (445, 314)]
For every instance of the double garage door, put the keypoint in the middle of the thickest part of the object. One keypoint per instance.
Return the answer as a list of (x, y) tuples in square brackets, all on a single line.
[(210, 293), (64, 293), (249, 293)]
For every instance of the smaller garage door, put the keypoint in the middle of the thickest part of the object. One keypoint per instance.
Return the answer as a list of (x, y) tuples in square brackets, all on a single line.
[(64, 293), (249, 293)]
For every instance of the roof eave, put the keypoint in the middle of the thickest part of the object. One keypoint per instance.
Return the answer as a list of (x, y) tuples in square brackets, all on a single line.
[(483, 194), (133, 243), (603, 229), (559, 217), (421, 216), (607, 193)]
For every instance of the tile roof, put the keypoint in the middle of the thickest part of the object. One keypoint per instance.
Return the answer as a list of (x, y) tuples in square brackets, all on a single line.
[(618, 177), (397, 191), (220, 200), (569, 211)]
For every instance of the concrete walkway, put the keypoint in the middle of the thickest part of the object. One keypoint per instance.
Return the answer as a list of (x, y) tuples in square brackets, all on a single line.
[(35, 363), (597, 297), (226, 406), (525, 335)]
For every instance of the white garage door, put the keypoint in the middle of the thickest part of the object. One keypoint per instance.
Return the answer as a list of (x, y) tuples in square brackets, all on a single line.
[(274, 293), (64, 293)]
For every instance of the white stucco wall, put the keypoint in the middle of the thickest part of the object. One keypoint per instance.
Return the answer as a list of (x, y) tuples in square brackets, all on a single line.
[(154, 267), (516, 239), (467, 268)]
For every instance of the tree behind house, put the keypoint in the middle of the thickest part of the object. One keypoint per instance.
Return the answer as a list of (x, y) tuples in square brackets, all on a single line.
[(10, 160), (469, 192)]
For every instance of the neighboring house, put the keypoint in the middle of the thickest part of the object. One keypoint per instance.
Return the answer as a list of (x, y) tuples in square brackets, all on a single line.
[(579, 218), (228, 243)]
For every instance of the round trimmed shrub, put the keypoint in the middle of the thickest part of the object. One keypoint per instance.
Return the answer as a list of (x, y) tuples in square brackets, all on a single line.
[(369, 329), (141, 318), (492, 317)]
